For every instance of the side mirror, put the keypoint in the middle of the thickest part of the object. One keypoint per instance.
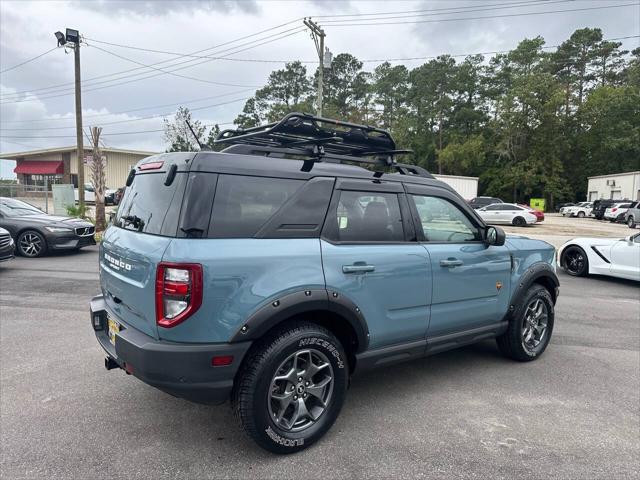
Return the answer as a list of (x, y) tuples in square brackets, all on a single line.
[(494, 236)]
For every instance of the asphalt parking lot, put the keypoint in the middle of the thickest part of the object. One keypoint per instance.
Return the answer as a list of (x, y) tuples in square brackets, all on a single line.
[(575, 413)]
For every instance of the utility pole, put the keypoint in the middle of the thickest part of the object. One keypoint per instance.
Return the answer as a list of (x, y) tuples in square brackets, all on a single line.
[(317, 34), (72, 38)]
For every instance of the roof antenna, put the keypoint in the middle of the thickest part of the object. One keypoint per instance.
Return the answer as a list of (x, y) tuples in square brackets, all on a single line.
[(203, 146)]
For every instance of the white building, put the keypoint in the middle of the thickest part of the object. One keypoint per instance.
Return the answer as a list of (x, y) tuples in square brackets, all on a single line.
[(467, 187), (617, 186)]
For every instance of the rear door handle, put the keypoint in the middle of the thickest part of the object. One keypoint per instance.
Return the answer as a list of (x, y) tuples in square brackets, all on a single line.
[(357, 268), (451, 262)]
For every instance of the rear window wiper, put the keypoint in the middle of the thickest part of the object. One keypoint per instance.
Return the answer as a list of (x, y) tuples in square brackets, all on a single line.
[(134, 220)]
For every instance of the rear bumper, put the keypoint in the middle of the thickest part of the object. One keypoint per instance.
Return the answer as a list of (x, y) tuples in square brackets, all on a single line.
[(182, 370)]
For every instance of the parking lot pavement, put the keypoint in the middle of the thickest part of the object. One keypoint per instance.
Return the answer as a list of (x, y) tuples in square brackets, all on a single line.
[(470, 413), (557, 229)]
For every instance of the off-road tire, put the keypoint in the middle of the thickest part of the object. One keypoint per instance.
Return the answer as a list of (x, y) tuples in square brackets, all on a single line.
[(518, 222), (511, 344), (564, 261), (251, 395)]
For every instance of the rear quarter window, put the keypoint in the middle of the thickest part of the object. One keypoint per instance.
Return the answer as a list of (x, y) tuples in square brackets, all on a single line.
[(243, 204), (150, 206)]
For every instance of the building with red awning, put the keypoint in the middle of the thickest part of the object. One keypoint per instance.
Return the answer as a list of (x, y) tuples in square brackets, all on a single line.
[(59, 165)]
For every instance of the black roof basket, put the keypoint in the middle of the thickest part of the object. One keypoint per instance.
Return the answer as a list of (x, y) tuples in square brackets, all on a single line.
[(318, 139)]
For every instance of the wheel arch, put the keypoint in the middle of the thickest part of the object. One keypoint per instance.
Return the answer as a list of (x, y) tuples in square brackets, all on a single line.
[(540, 273), (332, 311)]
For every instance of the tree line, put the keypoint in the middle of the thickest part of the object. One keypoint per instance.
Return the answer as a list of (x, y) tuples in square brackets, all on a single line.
[(529, 123)]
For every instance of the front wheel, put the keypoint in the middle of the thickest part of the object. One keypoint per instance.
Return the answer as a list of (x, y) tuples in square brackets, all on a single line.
[(631, 222), (574, 261), (31, 244), (581, 214), (291, 387), (530, 328)]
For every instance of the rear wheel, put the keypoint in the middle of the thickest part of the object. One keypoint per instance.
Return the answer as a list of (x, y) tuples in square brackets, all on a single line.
[(574, 261), (631, 222), (580, 214), (518, 222), (31, 244), (291, 388), (530, 328)]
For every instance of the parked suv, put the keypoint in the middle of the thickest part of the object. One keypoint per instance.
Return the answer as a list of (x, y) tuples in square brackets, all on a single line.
[(479, 202), (268, 280), (600, 206), (632, 216), (616, 213)]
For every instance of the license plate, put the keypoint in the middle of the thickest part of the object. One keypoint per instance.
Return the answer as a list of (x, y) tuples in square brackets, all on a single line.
[(114, 327)]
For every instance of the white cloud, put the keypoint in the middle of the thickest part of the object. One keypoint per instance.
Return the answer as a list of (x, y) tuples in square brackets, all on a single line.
[(26, 30)]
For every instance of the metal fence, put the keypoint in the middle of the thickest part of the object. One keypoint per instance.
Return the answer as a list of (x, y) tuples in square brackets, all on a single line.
[(36, 195)]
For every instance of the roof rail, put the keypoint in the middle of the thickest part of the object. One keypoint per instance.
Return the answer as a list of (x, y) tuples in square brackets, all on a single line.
[(317, 139)]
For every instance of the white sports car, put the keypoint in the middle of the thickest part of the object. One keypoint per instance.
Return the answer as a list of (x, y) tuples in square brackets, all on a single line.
[(602, 256)]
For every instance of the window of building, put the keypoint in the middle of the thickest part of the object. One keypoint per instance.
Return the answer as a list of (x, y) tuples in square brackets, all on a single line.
[(36, 180)]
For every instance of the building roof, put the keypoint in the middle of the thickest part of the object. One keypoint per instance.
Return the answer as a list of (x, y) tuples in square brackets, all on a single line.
[(29, 153), (622, 174)]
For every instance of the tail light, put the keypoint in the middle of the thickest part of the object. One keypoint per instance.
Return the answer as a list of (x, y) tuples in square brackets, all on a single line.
[(178, 292), (614, 209)]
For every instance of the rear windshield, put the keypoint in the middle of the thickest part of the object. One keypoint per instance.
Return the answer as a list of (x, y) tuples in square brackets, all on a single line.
[(149, 206)]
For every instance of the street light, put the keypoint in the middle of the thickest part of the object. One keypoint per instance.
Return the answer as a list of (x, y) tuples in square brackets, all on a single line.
[(72, 37), (61, 38)]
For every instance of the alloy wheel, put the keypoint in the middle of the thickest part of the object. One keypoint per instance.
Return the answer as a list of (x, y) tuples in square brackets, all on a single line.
[(574, 261), (535, 324), (30, 244), (301, 390)]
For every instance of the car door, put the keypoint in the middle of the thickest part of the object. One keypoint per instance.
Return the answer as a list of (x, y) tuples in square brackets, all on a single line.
[(371, 259), (491, 213), (625, 258), (471, 280)]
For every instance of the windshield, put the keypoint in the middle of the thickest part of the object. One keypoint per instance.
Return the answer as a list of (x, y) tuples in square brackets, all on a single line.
[(16, 208)]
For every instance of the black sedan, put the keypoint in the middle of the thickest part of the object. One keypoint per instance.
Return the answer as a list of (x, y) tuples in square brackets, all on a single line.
[(7, 245), (36, 233)]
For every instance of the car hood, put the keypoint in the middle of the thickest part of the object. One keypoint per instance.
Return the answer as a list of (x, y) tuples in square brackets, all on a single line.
[(520, 242), (59, 220)]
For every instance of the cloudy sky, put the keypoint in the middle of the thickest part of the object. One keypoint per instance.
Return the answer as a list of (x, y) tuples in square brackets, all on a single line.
[(120, 91)]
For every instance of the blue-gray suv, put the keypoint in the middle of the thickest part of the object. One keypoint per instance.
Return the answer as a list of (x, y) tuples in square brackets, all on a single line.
[(270, 272)]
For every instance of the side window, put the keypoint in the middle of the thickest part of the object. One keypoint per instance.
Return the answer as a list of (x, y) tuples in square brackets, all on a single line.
[(442, 221), (494, 207), (369, 217), (243, 204)]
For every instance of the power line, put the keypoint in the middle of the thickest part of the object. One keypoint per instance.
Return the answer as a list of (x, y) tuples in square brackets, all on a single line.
[(462, 7), (434, 13), (109, 134), (526, 14), (153, 75), (176, 104), (27, 61), (465, 9), (251, 44), (172, 73)]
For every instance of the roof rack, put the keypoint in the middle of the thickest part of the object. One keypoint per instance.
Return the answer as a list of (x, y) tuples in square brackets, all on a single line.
[(318, 139)]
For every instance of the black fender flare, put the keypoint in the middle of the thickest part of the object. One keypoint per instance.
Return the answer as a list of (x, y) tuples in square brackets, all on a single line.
[(534, 274), (292, 304)]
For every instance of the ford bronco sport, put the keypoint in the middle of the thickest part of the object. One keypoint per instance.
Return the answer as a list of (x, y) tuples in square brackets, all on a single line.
[(272, 271)]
